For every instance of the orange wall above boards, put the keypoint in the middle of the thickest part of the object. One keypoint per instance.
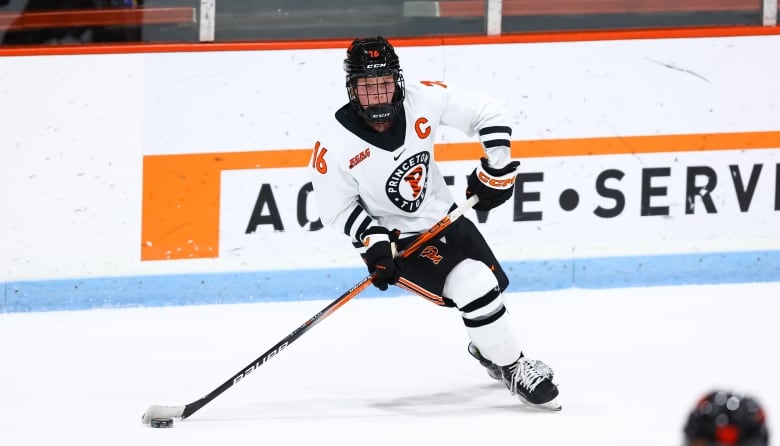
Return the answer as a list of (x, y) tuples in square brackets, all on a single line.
[(531, 37)]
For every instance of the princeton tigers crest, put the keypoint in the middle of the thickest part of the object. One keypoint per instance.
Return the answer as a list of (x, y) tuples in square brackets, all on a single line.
[(408, 183)]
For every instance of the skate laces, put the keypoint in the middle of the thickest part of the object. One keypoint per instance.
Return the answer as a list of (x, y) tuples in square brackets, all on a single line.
[(543, 369), (525, 373)]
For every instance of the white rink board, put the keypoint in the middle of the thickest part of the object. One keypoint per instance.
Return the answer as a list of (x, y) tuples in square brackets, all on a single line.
[(276, 99), (75, 129)]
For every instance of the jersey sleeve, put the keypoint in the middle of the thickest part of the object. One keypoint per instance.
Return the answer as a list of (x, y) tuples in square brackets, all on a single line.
[(337, 194), (479, 114)]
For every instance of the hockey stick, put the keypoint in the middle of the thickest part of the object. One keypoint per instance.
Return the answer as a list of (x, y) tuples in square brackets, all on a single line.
[(157, 411)]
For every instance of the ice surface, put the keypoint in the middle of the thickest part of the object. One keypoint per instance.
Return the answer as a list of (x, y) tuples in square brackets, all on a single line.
[(630, 364)]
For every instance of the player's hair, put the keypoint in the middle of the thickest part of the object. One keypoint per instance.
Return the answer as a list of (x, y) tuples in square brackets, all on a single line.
[(374, 57), (725, 418)]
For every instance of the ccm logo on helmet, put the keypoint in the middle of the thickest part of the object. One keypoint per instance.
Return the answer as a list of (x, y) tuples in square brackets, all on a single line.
[(496, 183), (375, 65)]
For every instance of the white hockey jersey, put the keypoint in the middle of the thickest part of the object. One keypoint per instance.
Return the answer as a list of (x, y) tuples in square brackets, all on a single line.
[(364, 178)]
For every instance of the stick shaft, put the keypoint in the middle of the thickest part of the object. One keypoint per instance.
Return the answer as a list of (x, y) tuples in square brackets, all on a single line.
[(435, 230), (194, 406)]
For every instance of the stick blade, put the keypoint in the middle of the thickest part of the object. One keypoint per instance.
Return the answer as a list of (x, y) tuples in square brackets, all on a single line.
[(156, 411)]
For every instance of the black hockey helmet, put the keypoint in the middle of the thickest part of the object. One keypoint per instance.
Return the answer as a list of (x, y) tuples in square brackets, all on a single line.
[(726, 419), (373, 57)]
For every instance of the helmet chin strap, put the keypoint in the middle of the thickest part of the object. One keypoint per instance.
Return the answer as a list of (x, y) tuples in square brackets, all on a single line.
[(378, 114)]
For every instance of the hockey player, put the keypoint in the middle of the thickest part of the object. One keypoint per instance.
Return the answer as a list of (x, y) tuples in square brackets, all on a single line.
[(724, 418), (375, 179)]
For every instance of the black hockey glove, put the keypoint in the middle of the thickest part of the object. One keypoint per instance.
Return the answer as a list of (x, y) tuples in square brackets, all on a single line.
[(492, 186), (379, 256)]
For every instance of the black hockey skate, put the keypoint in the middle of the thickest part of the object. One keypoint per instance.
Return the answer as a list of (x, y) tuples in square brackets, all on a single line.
[(530, 380)]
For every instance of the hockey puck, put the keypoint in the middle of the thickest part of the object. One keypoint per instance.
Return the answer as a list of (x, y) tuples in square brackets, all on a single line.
[(162, 422)]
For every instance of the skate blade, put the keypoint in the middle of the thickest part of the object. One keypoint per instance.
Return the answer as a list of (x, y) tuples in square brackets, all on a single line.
[(552, 405)]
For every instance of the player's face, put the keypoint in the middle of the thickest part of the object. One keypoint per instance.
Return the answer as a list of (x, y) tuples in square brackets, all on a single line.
[(375, 90)]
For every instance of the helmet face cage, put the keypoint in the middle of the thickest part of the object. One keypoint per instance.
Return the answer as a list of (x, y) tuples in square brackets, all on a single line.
[(726, 419), (373, 57)]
